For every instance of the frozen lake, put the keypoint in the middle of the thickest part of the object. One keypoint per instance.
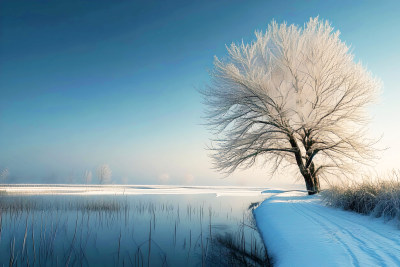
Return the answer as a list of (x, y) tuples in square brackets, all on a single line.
[(146, 225)]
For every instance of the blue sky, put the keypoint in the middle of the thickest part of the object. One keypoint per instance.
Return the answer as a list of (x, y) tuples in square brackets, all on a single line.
[(84, 83)]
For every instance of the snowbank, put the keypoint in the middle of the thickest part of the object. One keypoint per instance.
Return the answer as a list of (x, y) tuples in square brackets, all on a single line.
[(299, 230)]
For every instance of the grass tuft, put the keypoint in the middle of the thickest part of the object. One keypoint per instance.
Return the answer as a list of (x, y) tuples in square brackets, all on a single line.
[(376, 197)]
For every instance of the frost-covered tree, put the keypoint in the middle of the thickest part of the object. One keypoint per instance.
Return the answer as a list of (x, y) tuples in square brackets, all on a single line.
[(4, 175), (87, 176), (294, 96), (104, 174)]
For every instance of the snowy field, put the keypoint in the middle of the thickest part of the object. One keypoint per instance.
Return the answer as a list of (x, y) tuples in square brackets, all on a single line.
[(42, 189), (300, 231)]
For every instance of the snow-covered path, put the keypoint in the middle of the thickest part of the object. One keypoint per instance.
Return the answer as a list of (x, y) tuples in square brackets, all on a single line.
[(300, 231)]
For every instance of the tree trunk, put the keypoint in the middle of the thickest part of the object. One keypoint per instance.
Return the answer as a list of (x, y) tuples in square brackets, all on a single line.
[(308, 171), (312, 183)]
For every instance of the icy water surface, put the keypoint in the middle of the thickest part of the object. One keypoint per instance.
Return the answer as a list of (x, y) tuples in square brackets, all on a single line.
[(129, 226)]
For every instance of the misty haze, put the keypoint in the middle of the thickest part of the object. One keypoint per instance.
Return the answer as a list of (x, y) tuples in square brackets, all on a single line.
[(212, 133)]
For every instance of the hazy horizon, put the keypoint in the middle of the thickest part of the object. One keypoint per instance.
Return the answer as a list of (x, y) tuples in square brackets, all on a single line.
[(91, 83)]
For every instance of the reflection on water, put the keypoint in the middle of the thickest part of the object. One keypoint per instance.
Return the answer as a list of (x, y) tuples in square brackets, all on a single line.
[(133, 230)]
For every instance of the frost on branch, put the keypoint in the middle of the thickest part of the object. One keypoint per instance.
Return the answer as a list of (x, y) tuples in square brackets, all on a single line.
[(294, 95)]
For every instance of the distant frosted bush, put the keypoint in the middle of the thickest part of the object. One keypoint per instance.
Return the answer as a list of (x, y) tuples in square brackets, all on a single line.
[(3, 175), (376, 197), (104, 174)]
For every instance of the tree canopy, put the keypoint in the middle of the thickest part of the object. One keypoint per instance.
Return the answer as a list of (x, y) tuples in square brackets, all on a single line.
[(296, 96)]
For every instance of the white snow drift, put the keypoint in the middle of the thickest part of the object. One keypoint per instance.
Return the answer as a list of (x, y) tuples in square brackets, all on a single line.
[(300, 231)]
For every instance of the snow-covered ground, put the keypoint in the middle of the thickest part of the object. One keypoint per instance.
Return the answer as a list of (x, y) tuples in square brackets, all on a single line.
[(299, 230), (71, 189)]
